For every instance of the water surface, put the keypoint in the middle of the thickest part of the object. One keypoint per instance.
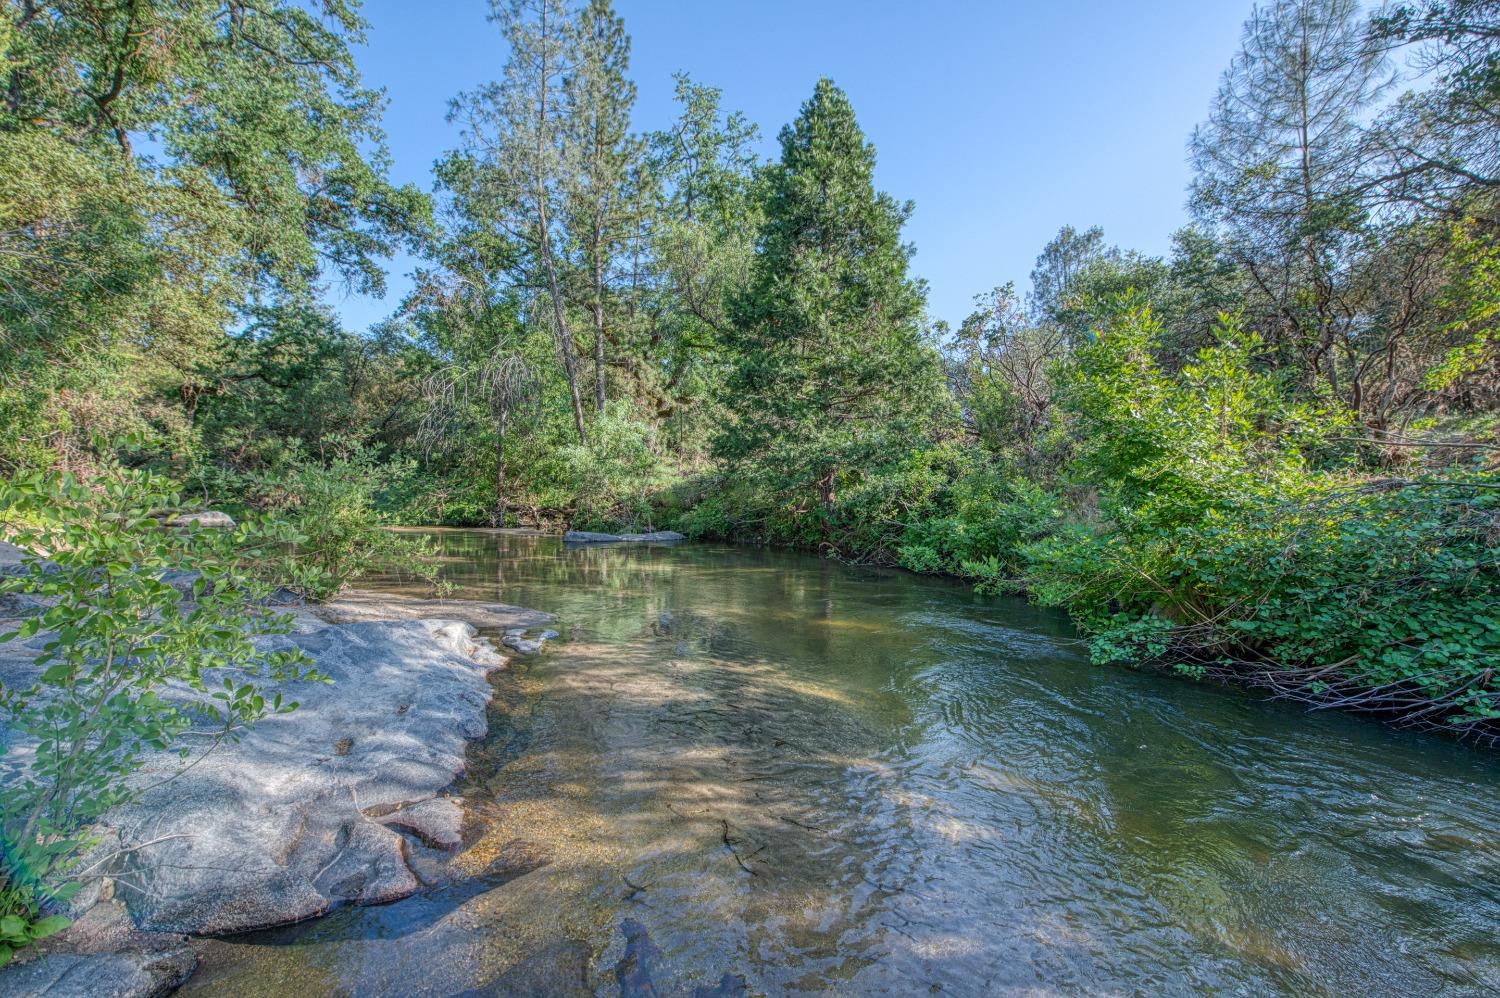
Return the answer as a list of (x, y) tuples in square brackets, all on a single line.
[(749, 772)]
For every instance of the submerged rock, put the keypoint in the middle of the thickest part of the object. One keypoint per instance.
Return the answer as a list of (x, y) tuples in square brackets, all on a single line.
[(515, 638), (590, 537), (653, 537)]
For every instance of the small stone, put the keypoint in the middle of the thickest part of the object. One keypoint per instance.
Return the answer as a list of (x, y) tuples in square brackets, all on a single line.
[(516, 640)]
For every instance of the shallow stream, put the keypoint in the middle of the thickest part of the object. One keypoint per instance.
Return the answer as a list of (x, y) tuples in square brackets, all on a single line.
[(750, 772)]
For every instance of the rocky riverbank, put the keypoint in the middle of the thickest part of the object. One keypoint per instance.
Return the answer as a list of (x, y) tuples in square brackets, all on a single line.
[(338, 802)]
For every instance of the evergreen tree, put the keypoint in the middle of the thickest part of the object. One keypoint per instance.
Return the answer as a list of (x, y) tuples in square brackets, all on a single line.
[(602, 157), (831, 367), (513, 132), (1059, 265)]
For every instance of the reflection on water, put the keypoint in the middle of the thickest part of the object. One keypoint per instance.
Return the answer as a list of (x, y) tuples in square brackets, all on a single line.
[(745, 772)]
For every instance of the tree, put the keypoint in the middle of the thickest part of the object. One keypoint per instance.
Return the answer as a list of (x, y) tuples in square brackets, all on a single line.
[(119, 271), (1059, 265), (601, 159), (830, 364), (1280, 165), (513, 133), (1005, 362), (698, 233), (1438, 143)]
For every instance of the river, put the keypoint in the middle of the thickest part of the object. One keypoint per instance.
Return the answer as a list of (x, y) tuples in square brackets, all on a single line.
[(754, 772)]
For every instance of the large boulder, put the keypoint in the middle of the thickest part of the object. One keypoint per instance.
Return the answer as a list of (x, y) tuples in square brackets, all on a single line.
[(287, 823), (355, 605), (297, 816)]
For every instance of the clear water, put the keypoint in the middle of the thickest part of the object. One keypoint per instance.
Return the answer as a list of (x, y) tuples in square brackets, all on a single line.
[(749, 772)]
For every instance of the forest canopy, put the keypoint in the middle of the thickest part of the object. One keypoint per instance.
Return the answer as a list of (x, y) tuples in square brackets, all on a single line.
[(1268, 455)]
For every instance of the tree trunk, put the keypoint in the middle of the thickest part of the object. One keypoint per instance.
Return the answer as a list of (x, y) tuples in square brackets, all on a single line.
[(564, 339), (825, 491), (544, 241), (500, 472), (598, 327)]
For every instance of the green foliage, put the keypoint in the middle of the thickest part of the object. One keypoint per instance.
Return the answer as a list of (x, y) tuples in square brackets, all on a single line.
[(612, 478), (1475, 297), (1387, 593), (831, 370), (120, 272), (1160, 453), (989, 516), (333, 505), (1164, 449), (1160, 445), (1227, 544), (129, 662), (21, 923)]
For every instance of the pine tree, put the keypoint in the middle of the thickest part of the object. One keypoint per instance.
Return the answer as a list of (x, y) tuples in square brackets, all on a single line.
[(831, 368), (601, 156), (513, 131)]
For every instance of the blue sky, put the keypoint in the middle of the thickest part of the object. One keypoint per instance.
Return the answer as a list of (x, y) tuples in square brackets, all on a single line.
[(1002, 120)]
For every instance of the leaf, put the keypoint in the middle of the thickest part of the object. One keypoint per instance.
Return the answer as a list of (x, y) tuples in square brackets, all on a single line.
[(49, 926)]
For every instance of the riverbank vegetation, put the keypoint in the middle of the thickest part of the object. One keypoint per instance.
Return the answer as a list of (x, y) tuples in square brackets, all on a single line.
[(1269, 455)]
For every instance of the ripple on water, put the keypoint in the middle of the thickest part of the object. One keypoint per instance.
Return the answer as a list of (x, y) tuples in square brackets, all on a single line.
[(753, 772)]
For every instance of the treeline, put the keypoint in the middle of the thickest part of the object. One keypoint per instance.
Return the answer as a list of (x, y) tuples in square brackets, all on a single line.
[(1268, 455)]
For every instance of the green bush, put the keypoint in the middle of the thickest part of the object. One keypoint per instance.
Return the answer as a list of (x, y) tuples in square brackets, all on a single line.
[(334, 506), (118, 634), (1383, 594), (1228, 544), (609, 482), (1161, 452), (990, 515)]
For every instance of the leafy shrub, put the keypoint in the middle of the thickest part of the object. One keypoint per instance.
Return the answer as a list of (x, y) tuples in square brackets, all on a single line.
[(1223, 549), (990, 515), (1163, 452), (334, 507), (118, 636), (610, 480), (1385, 595)]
